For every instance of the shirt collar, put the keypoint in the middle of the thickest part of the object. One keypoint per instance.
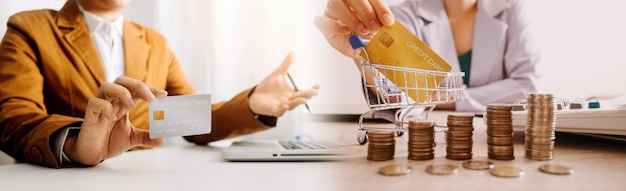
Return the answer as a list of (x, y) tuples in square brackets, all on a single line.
[(95, 22)]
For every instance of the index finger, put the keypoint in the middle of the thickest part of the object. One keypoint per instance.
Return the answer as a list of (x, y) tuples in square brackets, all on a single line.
[(138, 89)]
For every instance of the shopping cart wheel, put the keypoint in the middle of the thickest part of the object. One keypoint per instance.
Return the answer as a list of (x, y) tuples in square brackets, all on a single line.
[(399, 133), (361, 136)]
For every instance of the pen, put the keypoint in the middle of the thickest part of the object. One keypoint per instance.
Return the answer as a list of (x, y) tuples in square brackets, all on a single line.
[(296, 87)]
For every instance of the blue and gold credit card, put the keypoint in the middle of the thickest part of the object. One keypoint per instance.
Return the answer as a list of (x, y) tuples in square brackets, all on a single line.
[(176, 116)]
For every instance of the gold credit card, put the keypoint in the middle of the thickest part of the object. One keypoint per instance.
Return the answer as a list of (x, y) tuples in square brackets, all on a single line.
[(396, 46)]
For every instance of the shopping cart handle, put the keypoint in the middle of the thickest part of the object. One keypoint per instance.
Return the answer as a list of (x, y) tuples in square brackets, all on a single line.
[(356, 42)]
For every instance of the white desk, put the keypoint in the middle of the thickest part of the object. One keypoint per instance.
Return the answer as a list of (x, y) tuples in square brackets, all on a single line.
[(174, 168), (598, 165)]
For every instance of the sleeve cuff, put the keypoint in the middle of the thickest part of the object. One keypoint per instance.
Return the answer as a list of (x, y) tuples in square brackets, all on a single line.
[(269, 121), (59, 142)]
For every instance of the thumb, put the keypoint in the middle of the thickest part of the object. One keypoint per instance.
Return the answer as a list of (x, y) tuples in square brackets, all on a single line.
[(141, 137), (284, 67)]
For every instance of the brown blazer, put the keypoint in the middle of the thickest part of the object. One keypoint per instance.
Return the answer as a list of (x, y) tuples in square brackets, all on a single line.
[(50, 68)]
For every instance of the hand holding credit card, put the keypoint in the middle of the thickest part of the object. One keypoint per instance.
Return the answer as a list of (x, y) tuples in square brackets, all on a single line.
[(397, 46), (176, 116)]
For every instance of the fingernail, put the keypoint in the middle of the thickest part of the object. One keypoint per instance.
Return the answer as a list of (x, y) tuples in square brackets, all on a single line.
[(388, 19), (113, 116), (362, 29)]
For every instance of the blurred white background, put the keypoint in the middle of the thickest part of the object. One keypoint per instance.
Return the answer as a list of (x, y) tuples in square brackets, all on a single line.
[(226, 46)]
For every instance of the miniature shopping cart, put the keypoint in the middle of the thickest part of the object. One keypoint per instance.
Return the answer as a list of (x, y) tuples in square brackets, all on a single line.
[(413, 88)]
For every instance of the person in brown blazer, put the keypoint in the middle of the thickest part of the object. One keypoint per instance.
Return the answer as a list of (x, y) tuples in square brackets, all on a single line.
[(59, 107)]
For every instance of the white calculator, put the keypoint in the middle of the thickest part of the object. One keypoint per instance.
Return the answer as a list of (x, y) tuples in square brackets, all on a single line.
[(584, 116)]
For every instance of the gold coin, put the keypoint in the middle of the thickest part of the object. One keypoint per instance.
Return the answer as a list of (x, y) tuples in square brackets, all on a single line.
[(458, 150), (420, 157), (477, 165), (499, 148), (459, 146), (556, 169), (380, 137), (499, 107), (498, 115), (395, 169), (501, 157), (441, 169), (459, 124), (506, 171), (461, 115), (380, 133), (459, 139), (459, 156), (420, 139), (379, 158), (422, 123), (458, 129), (540, 95), (421, 144), (421, 150)]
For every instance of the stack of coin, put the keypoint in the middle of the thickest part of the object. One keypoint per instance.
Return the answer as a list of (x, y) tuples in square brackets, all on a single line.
[(382, 145), (421, 139), (500, 132), (540, 136), (459, 136)]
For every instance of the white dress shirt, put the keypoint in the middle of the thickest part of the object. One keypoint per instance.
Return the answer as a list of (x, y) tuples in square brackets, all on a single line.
[(108, 38)]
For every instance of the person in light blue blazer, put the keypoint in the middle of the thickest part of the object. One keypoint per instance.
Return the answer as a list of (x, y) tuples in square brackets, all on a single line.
[(490, 40)]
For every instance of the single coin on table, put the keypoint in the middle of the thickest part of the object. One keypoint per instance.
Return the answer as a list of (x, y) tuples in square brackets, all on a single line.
[(477, 165), (441, 169), (506, 171), (556, 169), (395, 169)]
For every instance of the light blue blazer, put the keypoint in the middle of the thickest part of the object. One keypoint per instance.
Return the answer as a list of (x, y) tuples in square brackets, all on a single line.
[(504, 54)]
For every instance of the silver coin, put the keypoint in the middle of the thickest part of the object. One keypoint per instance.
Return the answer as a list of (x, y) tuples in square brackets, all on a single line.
[(556, 169), (506, 171), (442, 169), (395, 169)]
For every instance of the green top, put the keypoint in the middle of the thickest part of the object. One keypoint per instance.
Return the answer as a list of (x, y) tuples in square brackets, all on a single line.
[(465, 60)]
